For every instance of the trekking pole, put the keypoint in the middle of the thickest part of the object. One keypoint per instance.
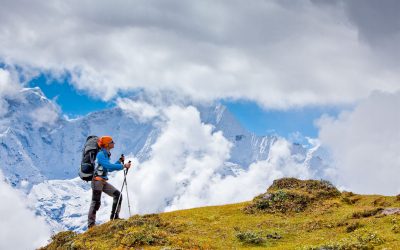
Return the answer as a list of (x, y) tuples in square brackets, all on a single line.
[(127, 194), (120, 193), (124, 183), (119, 198)]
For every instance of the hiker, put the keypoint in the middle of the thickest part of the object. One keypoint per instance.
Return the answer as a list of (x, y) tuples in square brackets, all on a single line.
[(99, 181)]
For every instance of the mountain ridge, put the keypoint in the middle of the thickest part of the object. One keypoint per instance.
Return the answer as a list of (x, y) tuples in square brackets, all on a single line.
[(35, 146), (38, 161)]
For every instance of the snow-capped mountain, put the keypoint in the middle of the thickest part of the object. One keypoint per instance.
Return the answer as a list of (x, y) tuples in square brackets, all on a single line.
[(37, 149), (40, 148)]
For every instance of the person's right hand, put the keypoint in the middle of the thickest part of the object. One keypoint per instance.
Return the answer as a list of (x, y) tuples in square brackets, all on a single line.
[(127, 165)]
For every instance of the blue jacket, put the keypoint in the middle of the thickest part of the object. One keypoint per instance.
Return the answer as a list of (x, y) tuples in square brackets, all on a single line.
[(104, 166)]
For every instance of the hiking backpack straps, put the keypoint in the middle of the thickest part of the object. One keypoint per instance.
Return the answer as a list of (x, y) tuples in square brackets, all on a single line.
[(89, 154)]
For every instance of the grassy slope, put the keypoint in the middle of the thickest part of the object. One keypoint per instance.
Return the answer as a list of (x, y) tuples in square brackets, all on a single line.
[(335, 223)]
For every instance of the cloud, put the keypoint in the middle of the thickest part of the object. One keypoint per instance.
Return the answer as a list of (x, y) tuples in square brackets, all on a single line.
[(8, 87), (185, 155), (186, 168), (185, 165), (19, 228), (364, 143), (142, 111), (378, 25), (247, 184), (277, 54), (45, 115)]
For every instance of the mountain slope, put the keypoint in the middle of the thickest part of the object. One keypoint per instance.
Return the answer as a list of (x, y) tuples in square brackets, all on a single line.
[(331, 220), (41, 151), (38, 143)]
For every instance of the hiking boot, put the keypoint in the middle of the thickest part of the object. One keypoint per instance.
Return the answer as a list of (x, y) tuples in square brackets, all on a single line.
[(114, 218)]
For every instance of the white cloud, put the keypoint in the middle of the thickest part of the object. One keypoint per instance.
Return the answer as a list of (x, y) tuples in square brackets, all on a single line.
[(184, 168), (8, 87), (45, 115), (365, 144), (187, 151), (184, 171), (259, 176), (19, 228), (142, 111), (278, 54)]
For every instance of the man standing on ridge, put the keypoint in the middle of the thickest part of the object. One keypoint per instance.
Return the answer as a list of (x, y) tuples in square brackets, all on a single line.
[(99, 182)]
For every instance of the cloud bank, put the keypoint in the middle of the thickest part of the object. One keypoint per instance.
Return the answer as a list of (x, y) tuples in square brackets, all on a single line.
[(278, 54), (19, 228), (186, 165), (365, 144)]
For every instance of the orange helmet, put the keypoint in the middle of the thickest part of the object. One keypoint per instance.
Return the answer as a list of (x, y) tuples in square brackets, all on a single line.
[(104, 141)]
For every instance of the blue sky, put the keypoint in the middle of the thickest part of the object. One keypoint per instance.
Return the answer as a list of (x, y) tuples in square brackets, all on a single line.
[(72, 102), (285, 123)]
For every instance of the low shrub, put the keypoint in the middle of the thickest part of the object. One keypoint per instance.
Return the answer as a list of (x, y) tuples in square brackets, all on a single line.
[(250, 237), (148, 235), (396, 229), (292, 195), (320, 189), (350, 198), (147, 230), (281, 201), (364, 240), (366, 213), (65, 239), (354, 226), (381, 202)]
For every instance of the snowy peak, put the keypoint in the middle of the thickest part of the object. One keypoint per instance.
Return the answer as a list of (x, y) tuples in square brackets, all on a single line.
[(41, 151), (29, 98), (39, 144), (34, 91), (30, 106)]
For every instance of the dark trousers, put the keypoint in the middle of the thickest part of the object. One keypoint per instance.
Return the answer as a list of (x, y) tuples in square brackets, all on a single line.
[(97, 188)]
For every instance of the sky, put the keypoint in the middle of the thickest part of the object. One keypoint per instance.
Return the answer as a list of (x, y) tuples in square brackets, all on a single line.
[(252, 116), (280, 66), (73, 103), (328, 69), (286, 62)]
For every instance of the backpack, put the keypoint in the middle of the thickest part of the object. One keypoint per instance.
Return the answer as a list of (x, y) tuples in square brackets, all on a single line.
[(89, 154)]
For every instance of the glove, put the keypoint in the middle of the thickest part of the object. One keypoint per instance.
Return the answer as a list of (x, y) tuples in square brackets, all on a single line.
[(127, 165), (122, 159)]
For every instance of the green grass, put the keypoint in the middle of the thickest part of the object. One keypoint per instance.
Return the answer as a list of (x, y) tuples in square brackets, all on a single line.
[(326, 220)]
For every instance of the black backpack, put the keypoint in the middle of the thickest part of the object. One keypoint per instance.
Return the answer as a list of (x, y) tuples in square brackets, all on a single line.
[(89, 154)]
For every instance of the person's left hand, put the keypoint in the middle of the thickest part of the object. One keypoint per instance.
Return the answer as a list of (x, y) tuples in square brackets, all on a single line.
[(122, 158)]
